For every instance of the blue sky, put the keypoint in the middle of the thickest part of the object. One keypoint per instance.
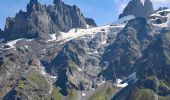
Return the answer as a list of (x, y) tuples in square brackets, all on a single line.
[(103, 11)]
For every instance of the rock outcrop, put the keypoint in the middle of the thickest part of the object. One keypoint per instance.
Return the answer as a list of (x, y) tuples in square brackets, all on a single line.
[(91, 22), (126, 49), (136, 8), (41, 20)]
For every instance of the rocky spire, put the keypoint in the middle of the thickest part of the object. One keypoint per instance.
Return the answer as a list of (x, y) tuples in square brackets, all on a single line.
[(136, 8), (56, 1), (33, 1), (34, 5), (148, 7), (39, 20)]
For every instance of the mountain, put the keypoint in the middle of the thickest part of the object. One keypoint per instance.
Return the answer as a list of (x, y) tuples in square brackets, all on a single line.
[(138, 9), (41, 20), (126, 60)]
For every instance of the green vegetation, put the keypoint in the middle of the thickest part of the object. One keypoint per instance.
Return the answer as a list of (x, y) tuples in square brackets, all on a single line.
[(153, 78), (164, 98), (143, 94), (104, 93), (55, 95), (33, 85), (164, 84), (72, 95), (22, 84), (147, 94), (5, 66)]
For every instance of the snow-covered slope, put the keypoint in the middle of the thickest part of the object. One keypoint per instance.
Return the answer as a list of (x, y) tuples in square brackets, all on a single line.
[(80, 33), (123, 21), (161, 18)]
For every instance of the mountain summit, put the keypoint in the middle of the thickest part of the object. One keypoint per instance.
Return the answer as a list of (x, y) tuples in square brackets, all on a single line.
[(138, 9), (40, 20)]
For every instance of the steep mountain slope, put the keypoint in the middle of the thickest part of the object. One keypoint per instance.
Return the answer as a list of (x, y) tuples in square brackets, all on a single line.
[(127, 60), (152, 82)]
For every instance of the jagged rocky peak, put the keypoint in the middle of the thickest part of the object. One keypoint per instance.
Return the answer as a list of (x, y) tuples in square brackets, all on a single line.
[(0, 30), (138, 9), (148, 7), (33, 1), (57, 1), (65, 16), (91, 22), (34, 5), (41, 20)]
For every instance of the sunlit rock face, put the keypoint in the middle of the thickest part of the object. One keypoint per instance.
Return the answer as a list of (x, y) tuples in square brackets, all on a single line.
[(40, 20)]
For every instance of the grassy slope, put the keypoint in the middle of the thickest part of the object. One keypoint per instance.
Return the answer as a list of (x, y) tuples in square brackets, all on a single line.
[(104, 93)]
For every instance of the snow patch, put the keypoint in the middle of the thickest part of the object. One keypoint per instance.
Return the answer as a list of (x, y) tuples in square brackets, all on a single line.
[(53, 37), (26, 46), (96, 52), (12, 43), (53, 77), (104, 42), (119, 84), (101, 83), (79, 69), (83, 94)]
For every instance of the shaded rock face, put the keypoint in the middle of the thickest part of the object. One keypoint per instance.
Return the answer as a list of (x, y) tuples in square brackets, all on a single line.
[(1, 31), (136, 8), (148, 8), (91, 22), (41, 20), (156, 59), (66, 64), (153, 72), (126, 49)]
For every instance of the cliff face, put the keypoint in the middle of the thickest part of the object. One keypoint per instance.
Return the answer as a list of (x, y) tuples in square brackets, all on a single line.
[(136, 8), (40, 20)]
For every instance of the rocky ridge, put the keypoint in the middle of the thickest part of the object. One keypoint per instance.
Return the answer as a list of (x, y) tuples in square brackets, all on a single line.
[(121, 61), (40, 20)]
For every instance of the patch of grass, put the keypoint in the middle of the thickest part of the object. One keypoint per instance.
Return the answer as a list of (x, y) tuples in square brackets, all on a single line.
[(21, 84), (164, 98), (33, 83), (143, 94), (153, 78), (55, 95), (72, 95), (104, 93), (35, 77), (164, 84)]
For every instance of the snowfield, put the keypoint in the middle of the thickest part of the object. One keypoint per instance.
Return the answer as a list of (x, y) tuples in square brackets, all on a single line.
[(12, 43), (75, 33)]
